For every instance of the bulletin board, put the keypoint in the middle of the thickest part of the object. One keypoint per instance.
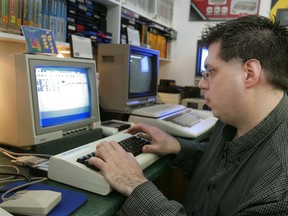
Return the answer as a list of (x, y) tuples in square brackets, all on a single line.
[(202, 10)]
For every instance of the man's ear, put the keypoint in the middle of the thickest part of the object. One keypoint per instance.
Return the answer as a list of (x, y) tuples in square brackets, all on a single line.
[(253, 72)]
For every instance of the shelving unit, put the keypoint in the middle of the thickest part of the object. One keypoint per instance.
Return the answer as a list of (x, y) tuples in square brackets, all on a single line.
[(11, 37), (152, 12), (20, 39), (113, 23)]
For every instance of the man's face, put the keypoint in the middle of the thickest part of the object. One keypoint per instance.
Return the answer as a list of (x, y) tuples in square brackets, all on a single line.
[(224, 85)]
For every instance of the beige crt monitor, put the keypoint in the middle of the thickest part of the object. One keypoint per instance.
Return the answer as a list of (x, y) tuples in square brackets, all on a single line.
[(128, 77), (44, 98)]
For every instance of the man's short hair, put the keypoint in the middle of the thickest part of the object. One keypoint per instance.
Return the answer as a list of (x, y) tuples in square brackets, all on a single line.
[(253, 37)]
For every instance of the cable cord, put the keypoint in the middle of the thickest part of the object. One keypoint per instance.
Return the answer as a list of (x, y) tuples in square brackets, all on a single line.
[(21, 186), (9, 166), (10, 153), (15, 175)]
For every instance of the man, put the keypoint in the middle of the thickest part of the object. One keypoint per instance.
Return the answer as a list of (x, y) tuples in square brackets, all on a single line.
[(243, 169)]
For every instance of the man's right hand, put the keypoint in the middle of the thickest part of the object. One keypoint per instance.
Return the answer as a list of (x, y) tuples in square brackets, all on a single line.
[(161, 142)]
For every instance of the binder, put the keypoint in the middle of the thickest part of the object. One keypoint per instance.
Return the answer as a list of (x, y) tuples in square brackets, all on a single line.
[(31, 12), (38, 13), (4, 15), (19, 16), (12, 20), (25, 12)]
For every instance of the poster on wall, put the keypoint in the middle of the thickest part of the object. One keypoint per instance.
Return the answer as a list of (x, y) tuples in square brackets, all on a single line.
[(217, 10), (279, 9)]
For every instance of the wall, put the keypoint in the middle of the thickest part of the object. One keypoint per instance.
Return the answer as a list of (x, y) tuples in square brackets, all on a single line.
[(182, 66)]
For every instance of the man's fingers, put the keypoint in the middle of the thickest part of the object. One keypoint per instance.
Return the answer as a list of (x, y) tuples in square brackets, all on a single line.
[(97, 162)]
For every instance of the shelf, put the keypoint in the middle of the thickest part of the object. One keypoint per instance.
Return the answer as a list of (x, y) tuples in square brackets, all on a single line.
[(20, 39), (157, 11), (114, 8), (153, 19), (108, 2), (11, 37)]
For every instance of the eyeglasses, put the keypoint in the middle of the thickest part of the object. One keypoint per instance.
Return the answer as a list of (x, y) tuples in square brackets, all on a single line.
[(205, 73)]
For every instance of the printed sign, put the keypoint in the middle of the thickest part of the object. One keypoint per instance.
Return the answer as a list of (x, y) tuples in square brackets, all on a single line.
[(201, 10)]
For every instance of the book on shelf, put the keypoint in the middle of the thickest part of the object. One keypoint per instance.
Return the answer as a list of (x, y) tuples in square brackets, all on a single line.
[(12, 16), (4, 14), (52, 15), (158, 42), (45, 11), (38, 10), (25, 14), (61, 17), (19, 16), (31, 12), (156, 39)]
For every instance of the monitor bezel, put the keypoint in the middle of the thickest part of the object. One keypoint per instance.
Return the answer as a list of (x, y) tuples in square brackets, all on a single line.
[(155, 71), (91, 69)]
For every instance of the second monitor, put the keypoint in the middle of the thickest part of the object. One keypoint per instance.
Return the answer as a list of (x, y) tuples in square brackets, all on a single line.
[(128, 77), (201, 55)]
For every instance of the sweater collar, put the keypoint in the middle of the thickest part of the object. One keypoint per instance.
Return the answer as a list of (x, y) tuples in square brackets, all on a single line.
[(253, 138)]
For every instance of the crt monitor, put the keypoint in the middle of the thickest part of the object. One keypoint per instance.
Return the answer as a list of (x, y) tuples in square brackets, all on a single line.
[(128, 77), (50, 98), (201, 54)]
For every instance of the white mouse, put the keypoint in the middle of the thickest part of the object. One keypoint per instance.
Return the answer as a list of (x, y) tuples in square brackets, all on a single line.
[(4, 212), (32, 202)]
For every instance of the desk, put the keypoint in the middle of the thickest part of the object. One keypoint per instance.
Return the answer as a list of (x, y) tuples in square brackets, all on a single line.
[(98, 204), (110, 204)]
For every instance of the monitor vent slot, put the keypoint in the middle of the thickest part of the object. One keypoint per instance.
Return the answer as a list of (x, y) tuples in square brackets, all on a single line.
[(108, 59)]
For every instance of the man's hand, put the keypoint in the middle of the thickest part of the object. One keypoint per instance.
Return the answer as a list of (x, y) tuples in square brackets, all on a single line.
[(119, 167), (161, 142)]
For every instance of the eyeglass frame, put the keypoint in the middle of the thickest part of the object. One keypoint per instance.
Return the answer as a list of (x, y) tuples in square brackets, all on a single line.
[(205, 73)]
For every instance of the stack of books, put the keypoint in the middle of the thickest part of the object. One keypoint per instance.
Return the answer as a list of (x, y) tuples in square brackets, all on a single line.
[(152, 35), (46, 14), (88, 18)]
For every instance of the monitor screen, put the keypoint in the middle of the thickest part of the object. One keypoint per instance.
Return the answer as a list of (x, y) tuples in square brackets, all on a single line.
[(143, 73), (202, 53), (140, 73), (63, 94)]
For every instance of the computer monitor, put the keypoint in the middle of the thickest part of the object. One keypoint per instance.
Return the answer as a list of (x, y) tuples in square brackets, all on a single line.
[(201, 54), (128, 77), (49, 98)]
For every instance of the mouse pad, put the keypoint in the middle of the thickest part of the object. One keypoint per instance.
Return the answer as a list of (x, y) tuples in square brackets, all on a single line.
[(71, 200)]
